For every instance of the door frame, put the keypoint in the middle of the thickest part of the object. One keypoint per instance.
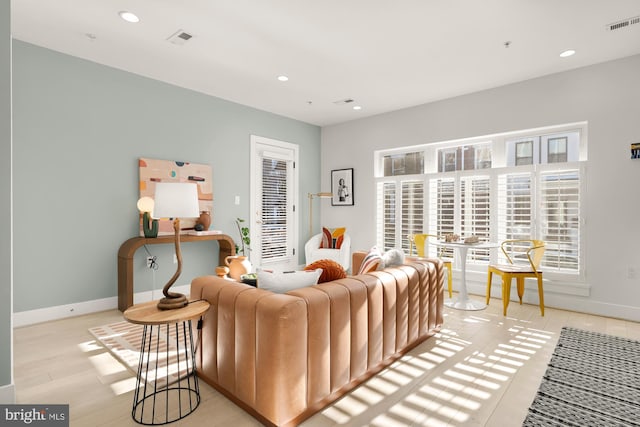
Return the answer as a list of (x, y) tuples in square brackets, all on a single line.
[(258, 143)]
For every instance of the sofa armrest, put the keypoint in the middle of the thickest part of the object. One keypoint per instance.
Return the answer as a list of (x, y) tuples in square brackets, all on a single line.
[(254, 347), (356, 261)]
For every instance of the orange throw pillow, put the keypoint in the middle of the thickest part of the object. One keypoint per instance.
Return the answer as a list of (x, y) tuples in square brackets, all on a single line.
[(331, 270)]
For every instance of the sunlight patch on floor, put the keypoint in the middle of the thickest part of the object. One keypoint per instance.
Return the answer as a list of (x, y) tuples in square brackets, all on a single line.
[(124, 386)]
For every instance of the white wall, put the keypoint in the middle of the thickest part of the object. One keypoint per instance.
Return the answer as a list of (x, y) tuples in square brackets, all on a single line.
[(606, 95)]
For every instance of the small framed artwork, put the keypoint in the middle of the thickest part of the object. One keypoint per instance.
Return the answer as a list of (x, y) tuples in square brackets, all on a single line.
[(342, 187), (635, 150)]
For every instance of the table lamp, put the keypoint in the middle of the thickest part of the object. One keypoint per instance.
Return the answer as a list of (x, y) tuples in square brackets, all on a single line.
[(175, 200), (311, 196), (149, 225)]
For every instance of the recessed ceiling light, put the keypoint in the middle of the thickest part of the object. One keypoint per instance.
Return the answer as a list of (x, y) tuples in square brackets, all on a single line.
[(129, 16), (283, 78), (357, 107), (567, 53)]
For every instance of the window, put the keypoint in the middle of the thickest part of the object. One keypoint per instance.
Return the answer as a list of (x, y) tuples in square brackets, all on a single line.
[(411, 212), (275, 209), (557, 149), (475, 205), (532, 191), (524, 153), (403, 164), (542, 149), (464, 157), (560, 222)]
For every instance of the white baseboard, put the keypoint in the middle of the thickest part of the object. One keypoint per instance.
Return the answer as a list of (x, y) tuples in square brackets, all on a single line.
[(8, 394), (30, 317), (572, 297)]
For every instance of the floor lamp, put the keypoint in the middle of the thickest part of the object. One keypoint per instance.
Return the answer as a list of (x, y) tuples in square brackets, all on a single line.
[(322, 195), (175, 200)]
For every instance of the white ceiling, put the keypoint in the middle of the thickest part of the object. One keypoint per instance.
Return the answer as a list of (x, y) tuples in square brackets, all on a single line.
[(383, 54)]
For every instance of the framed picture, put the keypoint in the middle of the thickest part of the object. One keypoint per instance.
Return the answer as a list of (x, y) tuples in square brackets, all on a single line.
[(342, 187)]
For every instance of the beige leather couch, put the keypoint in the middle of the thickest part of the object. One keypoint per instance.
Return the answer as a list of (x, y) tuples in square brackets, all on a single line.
[(284, 357)]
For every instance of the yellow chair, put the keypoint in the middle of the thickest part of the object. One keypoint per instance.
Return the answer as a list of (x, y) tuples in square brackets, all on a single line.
[(534, 251), (419, 241)]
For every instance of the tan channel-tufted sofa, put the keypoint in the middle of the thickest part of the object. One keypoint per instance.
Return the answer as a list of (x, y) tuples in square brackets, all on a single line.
[(284, 357)]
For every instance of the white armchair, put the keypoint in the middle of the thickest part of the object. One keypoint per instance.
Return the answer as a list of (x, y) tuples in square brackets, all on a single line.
[(313, 251)]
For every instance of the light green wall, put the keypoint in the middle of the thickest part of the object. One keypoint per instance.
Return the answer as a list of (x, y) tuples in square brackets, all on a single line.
[(5, 196), (79, 129)]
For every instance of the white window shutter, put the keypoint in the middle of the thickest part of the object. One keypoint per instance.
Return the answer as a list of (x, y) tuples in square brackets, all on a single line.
[(560, 219), (413, 211), (275, 209)]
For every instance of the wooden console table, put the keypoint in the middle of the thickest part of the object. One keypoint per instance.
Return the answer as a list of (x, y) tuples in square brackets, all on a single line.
[(129, 248)]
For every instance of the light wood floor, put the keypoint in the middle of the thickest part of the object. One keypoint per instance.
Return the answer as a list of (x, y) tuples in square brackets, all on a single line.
[(483, 369)]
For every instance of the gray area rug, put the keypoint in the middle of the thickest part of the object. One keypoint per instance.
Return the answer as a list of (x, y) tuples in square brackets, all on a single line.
[(592, 379)]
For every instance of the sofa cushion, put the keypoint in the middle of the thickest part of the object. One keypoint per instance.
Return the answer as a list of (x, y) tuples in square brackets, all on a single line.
[(331, 270), (371, 261), (332, 238), (281, 282)]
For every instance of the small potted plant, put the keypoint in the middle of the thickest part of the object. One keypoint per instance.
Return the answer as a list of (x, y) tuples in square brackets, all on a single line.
[(245, 240)]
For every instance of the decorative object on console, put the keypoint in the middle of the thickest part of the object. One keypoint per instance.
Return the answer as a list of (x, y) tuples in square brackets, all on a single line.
[(238, 265), (281, 282), (149, 225), (321, 195), (152, 171), (331, 270), (332, 238), (372, 261), (204, 220), (175, 200), (342, 187)]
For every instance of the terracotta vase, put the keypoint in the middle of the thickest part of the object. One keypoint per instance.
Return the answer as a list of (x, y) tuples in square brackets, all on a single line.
[(238, 265), (204, 220)]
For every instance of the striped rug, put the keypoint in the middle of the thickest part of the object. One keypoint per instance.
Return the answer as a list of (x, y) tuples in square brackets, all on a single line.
[(592, 379), (123, 340)]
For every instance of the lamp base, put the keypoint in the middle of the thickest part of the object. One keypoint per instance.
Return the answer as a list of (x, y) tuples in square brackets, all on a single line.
[(178, 301)]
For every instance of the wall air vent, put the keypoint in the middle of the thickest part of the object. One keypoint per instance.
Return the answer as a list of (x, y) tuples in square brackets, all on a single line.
[(343, 101), (180, 37), (623, 24)]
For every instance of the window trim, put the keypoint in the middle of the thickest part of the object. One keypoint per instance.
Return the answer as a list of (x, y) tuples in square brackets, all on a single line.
[(498, 147)]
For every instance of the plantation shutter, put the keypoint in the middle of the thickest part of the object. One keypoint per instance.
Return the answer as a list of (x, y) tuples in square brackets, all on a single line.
[(442, 204), (386, 215), (275, 212), (515, 206), (412, 211), (560, 211), (475, 212)]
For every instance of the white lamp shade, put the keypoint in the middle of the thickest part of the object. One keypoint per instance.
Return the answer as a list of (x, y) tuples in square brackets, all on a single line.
[(176, 200)]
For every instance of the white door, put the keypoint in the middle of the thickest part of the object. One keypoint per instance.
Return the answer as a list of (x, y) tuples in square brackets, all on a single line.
[(273, 216)]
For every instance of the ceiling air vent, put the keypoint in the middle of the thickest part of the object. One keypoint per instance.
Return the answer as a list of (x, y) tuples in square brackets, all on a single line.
[(343, 101), (623, 24), (180, 37)]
